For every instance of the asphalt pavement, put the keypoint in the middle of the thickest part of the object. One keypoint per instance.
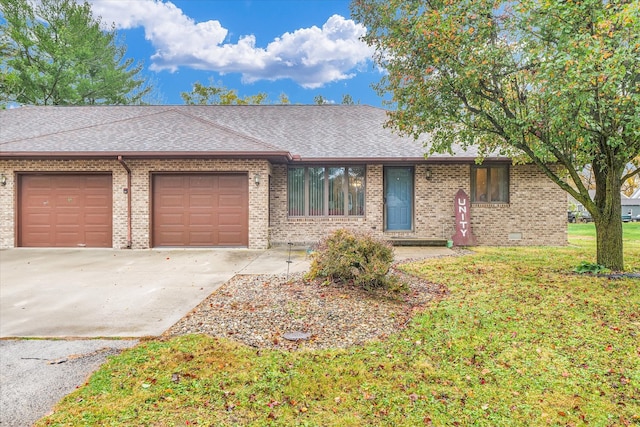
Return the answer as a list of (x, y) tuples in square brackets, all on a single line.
[(36, 374)]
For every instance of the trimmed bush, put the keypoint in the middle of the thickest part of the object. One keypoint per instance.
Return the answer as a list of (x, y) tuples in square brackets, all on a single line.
[(345, 256)]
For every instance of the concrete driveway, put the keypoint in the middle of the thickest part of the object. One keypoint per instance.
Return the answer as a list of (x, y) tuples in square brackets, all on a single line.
[(54, 293), (118, 293)]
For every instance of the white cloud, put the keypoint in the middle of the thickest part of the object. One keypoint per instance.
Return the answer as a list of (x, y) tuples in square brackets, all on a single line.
[(311, 57)]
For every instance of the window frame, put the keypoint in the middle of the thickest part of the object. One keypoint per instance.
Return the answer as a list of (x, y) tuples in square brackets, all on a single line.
[(326, 196), (489, 168)]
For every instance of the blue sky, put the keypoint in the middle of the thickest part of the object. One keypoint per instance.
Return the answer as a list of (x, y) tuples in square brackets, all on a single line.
[(302, 48)]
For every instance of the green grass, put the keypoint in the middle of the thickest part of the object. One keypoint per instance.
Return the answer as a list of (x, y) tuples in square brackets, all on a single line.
[(520, 340), (630, 230)]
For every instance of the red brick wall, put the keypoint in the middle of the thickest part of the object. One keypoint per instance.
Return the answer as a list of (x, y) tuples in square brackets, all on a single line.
[(536, 211)]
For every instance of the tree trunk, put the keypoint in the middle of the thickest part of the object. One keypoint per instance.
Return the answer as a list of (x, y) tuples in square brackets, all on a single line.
[(608, 219), (609, 242)]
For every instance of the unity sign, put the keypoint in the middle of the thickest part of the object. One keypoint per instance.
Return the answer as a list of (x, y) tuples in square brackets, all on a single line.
[(462, 209)]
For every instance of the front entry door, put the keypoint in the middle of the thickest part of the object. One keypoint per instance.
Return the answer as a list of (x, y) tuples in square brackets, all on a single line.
[(398, 198)]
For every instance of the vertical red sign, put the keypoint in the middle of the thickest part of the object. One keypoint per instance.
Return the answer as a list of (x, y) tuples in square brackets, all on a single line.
[(462, 208)]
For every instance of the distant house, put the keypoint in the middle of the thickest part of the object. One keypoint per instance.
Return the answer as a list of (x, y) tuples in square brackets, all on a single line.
[(578, 208), (630, 205), (249, 176)]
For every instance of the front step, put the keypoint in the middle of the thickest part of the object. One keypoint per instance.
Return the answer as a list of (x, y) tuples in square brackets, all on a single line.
[(416, 241)]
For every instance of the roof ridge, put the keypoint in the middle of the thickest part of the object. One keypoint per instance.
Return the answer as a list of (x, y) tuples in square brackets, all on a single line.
[(227, 129), (162, 110)]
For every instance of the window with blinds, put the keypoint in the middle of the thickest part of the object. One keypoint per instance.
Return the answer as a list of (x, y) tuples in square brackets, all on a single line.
[(326, 191)]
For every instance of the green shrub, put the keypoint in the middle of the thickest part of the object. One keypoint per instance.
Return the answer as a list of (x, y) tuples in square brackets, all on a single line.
[(590, 268), (346, 256)]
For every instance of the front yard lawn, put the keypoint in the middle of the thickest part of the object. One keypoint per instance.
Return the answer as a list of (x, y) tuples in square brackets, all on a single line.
[(520, 340)]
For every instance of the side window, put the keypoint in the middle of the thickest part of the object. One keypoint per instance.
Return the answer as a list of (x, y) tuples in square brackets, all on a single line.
[(490, 184)]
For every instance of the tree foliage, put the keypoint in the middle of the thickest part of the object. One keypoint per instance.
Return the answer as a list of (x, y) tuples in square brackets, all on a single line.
[(547, 82), (217, 94), (320, 100), (54, 52), (348, 99)]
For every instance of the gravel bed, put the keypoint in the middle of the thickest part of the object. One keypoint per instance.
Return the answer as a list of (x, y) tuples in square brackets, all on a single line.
[(259, 310)]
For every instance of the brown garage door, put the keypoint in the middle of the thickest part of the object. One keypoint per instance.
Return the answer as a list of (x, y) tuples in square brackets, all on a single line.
[(200, 210), (65, 211)]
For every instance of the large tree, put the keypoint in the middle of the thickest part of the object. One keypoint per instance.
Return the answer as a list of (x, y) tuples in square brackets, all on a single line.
[(554, 83), (55, 52)]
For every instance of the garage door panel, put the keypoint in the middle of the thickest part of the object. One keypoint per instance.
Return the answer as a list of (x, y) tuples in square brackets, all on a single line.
[(171, 200), (202, 199), (230, 200), (40, 182), (229, 220), (67, 219), (99, 236), (97, 182), (172, 181), (40, 238), (173, 238), (171, 219), (204, 219), (40, 219), (63, 236), (201, 238), (66, 182), (228, 238), (64, 201), (204, 182), (97, 201), (35, 199), (96, 220), (229, 182), (65, 210)]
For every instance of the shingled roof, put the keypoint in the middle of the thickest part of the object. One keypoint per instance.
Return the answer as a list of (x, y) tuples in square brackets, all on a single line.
[(277, 132)]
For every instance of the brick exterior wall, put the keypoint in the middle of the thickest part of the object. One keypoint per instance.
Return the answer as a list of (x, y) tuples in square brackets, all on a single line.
[(535, 215), (140, 193)]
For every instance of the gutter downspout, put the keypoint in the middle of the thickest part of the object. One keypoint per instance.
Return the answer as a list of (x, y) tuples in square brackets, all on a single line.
[(128, 190)]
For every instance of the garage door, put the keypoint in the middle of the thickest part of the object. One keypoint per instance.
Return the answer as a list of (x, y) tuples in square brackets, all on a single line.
[(65, 211), (200, 210)]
